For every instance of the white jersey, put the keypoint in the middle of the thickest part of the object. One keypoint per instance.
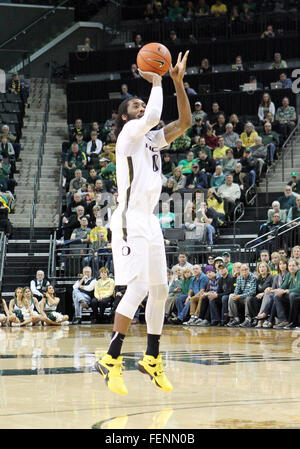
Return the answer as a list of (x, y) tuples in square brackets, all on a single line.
[(138, 171)]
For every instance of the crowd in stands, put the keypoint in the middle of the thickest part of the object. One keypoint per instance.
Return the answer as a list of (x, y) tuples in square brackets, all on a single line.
[(10, 149)]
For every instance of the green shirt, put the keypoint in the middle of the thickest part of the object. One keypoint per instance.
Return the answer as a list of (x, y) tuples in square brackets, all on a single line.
[(109, 171), (186, 286), (283, 114), (181, 143), (292, 283), (272, 137), (186, 165), (166, 220), (197, 148)]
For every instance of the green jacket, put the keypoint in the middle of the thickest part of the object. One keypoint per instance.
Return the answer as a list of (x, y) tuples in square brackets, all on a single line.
[(292, 283), (272, 137), (186, 286)]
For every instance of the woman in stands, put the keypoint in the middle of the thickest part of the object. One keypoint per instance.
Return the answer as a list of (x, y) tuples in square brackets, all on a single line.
[(238, 127), (248, 135), (4, 313), (179, 178), (295, 254), (216, 202), (266, 105), (236, 270), (19, 313), (170, 187), (33, 305), (274, 264), (48, 306), (267, 309), (167, 166), (205, 66), (189, 216), (264, 282)]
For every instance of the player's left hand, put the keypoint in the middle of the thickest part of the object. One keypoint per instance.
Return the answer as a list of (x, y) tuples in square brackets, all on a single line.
[(177, 72)]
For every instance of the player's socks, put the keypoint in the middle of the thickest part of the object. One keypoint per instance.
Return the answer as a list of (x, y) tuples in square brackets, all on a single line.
[(153, 345), (112, 371), (116, 344), (154, 368)]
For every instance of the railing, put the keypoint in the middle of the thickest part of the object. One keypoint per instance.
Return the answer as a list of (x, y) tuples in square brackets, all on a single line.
[(40, 158), (251, 200), (270, 236), (238, 213), (284, 153), (3, 247)]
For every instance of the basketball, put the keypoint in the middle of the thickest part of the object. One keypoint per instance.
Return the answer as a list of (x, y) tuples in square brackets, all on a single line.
[(155, 58)]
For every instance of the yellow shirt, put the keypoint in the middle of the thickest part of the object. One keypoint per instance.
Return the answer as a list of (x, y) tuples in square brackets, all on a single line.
[(218, 207), (218, 9), (94, 234), (248, 141), (104, 289), (220, 153)]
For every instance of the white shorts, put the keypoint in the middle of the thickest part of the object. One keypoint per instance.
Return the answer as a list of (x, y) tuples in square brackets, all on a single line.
[(138, 249)]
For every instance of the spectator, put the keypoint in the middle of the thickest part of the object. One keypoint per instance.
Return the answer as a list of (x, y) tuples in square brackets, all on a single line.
[(220, 152), (294, 213), (261, 154), (210, 138), (270, 139), (265, 106), (287, 200), (201, 146), (189, 13), (124, 92), (170, 187), (77, 201), (93, 149), (83, 293), (197, 130), (196, 288), (220, 126), (108, 173), (110, 121), (96, 127), (286, 116), (176, 12), (230, 192), (278, 62), (48, 306), (238, 127), (287, 298), (199, 113), (239, 178), (82, 145), (197, 179), (167, 165), (175, 290), (256, 84), (206, 163), (186, 164), (210, 218), (39, 284), (78, 127), (179, 178), (88, 45), (92, 176), (207, 297), (250, 166), (239, 65), (219, 305), (75, 159), (19, 87), (189, 90), (111, 155), (81, 235), (98, 251), (228, 163), (218, 9), (215, 202), (173, 39), (12, 139), (138, 41), (99, 185), (264, 283), (8, 153), (229, 136), (6, 183), (104, 291), (182, 143), (248, 135), (148, 14), (294, 184), (285, 81), (134, 73), (75, 184), (218, 178), (212, 118), (274, 264), (268, 33), (166, 218), (189, 217), (295, 253), (276, 209), (183, 263), (202, 9), (246, 15), (72, 222), (205, 66), (159, 12), (239, 150), (243, 295)]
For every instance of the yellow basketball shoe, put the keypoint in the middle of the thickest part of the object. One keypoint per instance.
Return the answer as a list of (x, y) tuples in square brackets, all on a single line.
[(112, 371), (154, 368)]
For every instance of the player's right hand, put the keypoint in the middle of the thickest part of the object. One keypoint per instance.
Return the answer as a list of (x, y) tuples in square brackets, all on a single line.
[(150, 76)]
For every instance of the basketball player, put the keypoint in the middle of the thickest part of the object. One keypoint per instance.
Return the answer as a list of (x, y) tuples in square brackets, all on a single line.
[(137, 240)]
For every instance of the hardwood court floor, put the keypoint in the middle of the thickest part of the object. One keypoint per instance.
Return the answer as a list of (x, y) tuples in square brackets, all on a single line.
[(223, 378)]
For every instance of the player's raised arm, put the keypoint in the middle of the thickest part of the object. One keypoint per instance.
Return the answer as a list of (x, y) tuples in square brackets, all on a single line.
[(184, 121), (153, 109)]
